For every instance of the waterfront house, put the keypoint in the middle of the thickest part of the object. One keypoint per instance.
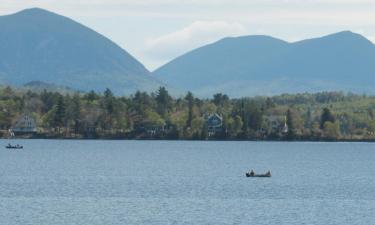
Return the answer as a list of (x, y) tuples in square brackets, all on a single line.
[(25, 124), (150, 129), (214, 124), (153, 130), (276, 124)]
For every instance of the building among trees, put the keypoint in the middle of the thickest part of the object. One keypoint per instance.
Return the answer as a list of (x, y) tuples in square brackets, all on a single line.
[(285, 128), (276, 124), (24, 125), (214, 124)]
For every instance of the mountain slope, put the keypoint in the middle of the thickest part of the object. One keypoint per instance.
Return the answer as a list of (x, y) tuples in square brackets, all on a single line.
[(39, 45), (257, 65), (38, 87)]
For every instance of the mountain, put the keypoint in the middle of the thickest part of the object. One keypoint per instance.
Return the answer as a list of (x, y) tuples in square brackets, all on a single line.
[(38, 45), (263, 65)]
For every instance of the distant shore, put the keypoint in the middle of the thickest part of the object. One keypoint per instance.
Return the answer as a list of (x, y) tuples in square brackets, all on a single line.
[(38, 137), (325, 116)]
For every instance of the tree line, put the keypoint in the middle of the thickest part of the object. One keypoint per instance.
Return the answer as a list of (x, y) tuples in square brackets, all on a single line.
[(158, 115)]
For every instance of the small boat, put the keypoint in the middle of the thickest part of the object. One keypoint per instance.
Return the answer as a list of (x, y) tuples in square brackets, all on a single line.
[(9, 146), (252, 174)]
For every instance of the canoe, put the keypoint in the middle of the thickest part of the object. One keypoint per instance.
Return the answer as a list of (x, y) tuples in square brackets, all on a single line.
[(14, 147), (258, 175)]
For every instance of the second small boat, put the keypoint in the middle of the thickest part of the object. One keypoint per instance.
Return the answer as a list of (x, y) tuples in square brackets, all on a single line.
[(9, 146), (252, 174)]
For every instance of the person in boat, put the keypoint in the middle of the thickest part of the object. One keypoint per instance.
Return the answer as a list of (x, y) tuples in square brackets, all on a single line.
[(252, 173), (268, 173)]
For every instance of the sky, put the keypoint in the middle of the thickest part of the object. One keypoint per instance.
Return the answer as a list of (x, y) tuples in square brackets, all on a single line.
[(157, 31)]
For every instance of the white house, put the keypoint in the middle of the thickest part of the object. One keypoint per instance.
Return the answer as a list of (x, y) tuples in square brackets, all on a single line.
[(24, 125)]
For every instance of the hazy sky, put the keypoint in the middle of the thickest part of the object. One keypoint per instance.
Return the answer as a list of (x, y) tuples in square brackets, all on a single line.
[(156, 31)]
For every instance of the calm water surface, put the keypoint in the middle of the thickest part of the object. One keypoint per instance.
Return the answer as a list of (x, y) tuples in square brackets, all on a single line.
[(163, 182)]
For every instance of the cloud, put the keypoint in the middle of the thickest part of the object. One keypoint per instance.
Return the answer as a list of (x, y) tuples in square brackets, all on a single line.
[(195, 35), (365, 34), (354, 11), (199, 2)]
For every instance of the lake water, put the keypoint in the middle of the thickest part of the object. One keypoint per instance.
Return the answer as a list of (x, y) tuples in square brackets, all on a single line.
[(164, 182)]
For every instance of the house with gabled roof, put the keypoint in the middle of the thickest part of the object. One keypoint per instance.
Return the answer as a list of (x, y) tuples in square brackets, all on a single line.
[(25, 124), (214, 124)]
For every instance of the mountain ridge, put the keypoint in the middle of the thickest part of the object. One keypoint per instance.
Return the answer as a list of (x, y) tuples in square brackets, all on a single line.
[(36, 44), (263, 65)]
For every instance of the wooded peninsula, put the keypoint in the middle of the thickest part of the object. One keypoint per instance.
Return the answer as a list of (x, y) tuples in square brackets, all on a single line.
[(325, 116)]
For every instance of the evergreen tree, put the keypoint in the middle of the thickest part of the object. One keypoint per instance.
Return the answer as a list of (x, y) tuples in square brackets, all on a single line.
[(269, 103), (164, 101), (59, 112), (290, 124), (244, 117), (91, 96), (74, 111), (220, 99), (49, 100), (109, 101), (190, 99), (141, 102), (254, 116), (8, 93), (308, 119), (326, 116)]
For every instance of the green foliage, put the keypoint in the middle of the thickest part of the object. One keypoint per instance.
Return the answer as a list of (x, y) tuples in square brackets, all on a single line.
[(190, 99), (234, 126), (321, 116), (327, 116), (220, 100), (91, 96), (154, 119), (58, 113), (290, 124), (253, 116), (331, 130), (164, 101)]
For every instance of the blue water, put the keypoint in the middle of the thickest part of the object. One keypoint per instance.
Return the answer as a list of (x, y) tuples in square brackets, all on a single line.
[(163, 182)]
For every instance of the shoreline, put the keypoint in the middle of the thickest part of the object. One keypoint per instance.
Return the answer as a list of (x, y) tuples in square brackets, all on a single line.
[(198, 140)]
